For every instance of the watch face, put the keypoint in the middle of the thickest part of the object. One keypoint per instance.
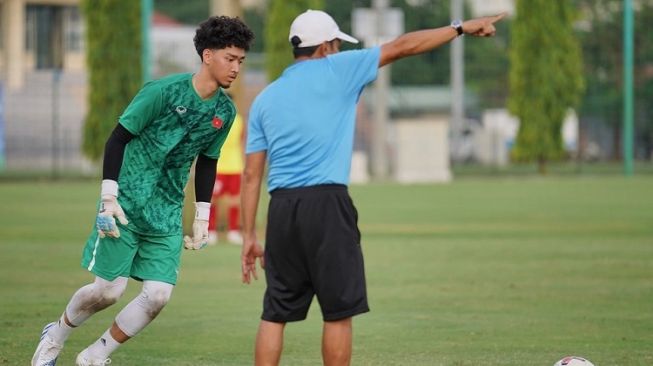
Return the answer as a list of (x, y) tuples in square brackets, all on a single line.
[(458, 26)]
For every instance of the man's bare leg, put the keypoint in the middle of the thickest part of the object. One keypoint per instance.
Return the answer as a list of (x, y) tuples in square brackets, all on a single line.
[(336, 342), (269, 343)]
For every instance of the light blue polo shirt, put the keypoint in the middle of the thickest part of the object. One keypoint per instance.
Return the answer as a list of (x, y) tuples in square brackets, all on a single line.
[(305, 119)]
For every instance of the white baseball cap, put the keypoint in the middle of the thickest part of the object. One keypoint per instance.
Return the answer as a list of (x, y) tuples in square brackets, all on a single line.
[(314, 27)]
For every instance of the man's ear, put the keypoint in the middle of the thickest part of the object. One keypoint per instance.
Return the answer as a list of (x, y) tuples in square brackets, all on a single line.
[(207, 55), (322, 50)]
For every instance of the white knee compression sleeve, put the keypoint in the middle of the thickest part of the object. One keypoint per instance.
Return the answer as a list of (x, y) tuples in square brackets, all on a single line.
[(94, 297), (144, 308)]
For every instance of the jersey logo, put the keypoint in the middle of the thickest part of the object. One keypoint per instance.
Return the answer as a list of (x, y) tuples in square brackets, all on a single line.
[(180, 109), (217, 122)]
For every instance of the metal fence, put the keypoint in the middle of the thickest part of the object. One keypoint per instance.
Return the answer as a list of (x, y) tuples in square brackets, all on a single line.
[(43, 122)]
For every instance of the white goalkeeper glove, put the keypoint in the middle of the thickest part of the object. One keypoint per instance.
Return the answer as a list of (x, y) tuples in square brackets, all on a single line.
[(110, 210), (200, 227)]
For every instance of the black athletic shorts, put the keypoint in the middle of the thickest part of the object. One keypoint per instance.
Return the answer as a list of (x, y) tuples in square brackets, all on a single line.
[(312, 247)]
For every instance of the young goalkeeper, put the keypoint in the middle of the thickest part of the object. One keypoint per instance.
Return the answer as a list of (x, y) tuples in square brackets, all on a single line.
[(147, 159)]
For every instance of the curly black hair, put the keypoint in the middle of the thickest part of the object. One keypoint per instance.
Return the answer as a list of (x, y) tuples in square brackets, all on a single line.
[(220, 32)]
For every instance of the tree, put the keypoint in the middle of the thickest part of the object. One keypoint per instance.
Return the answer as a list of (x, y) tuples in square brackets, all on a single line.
[(602, 40), (255, 20), (278, 52), (431, 68), (113, 57), (186, 12), (546, 77), (486, 66)]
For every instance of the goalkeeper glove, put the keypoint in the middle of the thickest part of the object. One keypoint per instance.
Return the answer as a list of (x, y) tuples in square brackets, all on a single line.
[(200, 227), (110, 210)]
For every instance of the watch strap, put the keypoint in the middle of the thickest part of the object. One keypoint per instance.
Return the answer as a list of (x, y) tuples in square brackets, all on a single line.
[(458, 26)]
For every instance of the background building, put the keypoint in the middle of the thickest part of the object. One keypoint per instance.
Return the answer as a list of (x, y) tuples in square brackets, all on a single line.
[(44, 84)]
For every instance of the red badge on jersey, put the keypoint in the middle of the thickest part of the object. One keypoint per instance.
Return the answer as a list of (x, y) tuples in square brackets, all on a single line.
[(217, 122)]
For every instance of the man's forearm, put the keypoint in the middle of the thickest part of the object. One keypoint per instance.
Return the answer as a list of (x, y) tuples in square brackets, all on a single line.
[(251, 191), (417, 42), (249, 205), (414, 43)]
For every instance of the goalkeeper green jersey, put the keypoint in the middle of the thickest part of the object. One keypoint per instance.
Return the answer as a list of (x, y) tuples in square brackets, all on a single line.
[(172, 126)]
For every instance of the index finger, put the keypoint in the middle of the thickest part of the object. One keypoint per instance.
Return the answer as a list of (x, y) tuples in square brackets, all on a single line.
[(498, 17)]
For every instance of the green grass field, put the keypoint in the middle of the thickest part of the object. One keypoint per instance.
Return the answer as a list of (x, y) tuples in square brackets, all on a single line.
[(483, 271)]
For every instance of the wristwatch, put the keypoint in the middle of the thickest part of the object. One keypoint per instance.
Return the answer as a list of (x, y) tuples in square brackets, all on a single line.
[(458, 26)]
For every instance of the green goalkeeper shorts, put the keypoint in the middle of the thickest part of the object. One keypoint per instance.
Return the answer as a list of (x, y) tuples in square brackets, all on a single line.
[(142, 257)]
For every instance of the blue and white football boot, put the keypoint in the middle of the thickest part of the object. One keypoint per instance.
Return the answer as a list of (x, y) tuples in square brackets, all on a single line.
[(47, 351)]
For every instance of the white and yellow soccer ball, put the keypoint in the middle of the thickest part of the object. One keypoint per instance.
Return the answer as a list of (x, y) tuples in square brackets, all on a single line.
[(573, 361)]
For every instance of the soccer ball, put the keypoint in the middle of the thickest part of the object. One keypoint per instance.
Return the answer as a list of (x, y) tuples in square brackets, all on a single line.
[(573, 361)]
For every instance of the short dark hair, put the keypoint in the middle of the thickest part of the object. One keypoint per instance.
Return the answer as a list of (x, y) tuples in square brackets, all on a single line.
[(304, 51), (301, 51), (220, 32)]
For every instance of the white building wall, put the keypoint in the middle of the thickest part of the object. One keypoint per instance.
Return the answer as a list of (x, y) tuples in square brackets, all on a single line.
[(422, 150), (491, 7)]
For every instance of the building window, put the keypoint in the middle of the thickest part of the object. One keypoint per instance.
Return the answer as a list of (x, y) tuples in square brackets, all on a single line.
[(30, 29), (44, 35), (2, 25), (73, 29)]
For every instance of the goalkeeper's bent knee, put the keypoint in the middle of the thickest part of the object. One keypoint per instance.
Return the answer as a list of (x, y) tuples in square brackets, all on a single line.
[(94, 297), (145, 307)]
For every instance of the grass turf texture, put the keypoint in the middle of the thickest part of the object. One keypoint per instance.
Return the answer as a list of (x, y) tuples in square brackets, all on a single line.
[(484, 271)]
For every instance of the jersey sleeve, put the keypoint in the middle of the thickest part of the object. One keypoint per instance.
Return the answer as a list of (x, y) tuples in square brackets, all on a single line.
[(256, 140), (143, 109), (357, 68)]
